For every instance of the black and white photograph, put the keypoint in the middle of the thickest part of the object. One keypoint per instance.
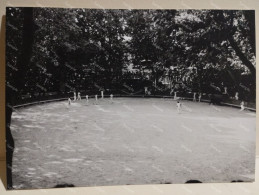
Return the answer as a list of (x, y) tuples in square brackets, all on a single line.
[(105, 97)]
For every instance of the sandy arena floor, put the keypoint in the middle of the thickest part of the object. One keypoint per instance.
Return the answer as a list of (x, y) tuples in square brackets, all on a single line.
[(132, 141)]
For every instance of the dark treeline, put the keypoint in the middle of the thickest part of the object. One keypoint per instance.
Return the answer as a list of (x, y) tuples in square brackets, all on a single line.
[(93, 50)]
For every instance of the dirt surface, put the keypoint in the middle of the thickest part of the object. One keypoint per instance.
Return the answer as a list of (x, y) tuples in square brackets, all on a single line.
[(131, 141)]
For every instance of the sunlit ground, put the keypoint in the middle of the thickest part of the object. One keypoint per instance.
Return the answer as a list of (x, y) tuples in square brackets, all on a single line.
[(131, 141)]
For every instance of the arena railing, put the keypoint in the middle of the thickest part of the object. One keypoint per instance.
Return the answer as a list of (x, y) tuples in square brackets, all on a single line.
[(49, 99)]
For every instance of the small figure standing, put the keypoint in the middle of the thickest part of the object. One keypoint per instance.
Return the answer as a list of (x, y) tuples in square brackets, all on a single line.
[(225, 90), (78, 96), (87, 100), (102, 94), (111, 97), (236, 96), (146, 90), (178, 105), (194, 96), (69, 101), (96, 99), (74, 96), (242, 105), (200, 97)]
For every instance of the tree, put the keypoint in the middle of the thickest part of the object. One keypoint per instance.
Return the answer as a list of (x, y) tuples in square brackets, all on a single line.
[(212, 38), (16, 82)]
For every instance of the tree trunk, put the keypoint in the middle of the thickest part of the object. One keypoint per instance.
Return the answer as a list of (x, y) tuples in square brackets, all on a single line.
[(14, 89), (242, 56)]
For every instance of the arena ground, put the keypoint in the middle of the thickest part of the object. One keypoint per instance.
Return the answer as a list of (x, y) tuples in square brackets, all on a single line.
[(131, 141)]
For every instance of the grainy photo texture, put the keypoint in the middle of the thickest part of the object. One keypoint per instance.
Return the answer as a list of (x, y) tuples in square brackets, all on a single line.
[(98, 97)]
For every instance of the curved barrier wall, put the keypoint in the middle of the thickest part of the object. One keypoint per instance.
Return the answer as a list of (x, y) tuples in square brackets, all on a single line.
[(47, 100)]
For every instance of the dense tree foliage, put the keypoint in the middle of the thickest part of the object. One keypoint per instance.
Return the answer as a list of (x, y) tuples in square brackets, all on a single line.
[(92, 50)]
